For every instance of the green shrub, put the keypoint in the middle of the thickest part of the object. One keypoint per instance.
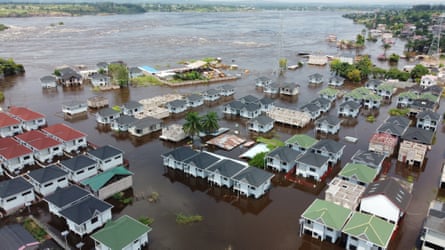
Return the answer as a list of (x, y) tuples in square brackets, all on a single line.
[(146, 220), (187, 219), (37, 232)]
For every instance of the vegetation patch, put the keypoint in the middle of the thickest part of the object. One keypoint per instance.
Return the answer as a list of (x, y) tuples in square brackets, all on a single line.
[(143, 81), (2, 96), (3, 27), (271, 143), (398, 112), (8, 67), (120, 197), (187, 219), (37, 232), (258, 160), (154, 197), (146, 220), (370, 118)]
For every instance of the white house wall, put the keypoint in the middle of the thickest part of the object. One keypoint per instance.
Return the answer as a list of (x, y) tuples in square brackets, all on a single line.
[(17, 200), (88, 226)]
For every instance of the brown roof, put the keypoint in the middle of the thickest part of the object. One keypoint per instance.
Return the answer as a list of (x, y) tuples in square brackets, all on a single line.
[(10, 149), (25, 114), (37, 139), (6, 120), (64, 132)]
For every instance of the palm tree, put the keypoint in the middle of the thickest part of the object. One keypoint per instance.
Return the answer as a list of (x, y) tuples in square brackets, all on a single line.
[(209, 122), (192, 124)]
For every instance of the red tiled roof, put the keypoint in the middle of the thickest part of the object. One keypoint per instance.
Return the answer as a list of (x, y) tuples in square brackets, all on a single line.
[(64, 132), (10, 149), (38, 139), (6, 120), (25, 113)]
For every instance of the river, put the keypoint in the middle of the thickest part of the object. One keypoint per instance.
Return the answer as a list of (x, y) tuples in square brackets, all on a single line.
[(254, 41)]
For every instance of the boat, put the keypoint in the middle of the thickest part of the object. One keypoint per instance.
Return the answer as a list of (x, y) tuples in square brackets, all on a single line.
[(303, 53), (351, 139), (331, 38)]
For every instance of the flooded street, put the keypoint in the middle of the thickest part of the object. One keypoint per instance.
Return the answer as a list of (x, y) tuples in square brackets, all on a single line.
[(253, 40)]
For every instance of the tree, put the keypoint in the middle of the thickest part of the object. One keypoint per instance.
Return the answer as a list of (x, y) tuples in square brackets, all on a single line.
[(418, 71), (365, 66), (354, 75), (119, 74), (377, 72), (386, 47), (192, 124), (209, 122), (394, 58), (258, 160), (282, 63)]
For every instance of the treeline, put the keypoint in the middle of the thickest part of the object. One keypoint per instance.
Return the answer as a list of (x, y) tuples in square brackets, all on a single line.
[(8, 67), (422, 7)]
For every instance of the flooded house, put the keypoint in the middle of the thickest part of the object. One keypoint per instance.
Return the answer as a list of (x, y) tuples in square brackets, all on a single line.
[(68, 77), (64, 197), (290, 89), (122, 123), (222, 173), (316, 79), (365, 97), (394, 125), (349, 109), (386, 199), (122, 233), (177, 106), (100, 80), (211, 95), (336, 81), (266, 104), (226, 90), (328, 124), (104, 185), (383, 143), (14, 156), (29, 119), (72, 139), (134, 72), (373, 84), (420, 105), (48, 82), (385, 91), (428, 81), (281, 159), (405, 99), (260, 124), (86, 215), (173, 132), (131, 108), (252, 182), (412, 153), (433, 231), (312, 109), (175, 158), (96, 102), (317, 221), (289, 116), (329, 148), (198, 163), (344, 193), (106, 116), (250, 110), (15, 193), (262, 81), (329, 93), (79, 167), (145, 126), (358, 173), (367, 232), (107, 157), (233, 108), (44, 147), (9, 126), (47, 180), (194, 100), (272, 89), (311, 165), (428, 120), (369, 158), (300, 142), (74, 108)]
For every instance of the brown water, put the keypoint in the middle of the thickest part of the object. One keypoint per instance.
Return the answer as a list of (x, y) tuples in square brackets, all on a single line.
[(254, 41)]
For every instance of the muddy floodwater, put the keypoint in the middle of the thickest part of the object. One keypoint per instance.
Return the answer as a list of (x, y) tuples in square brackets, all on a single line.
[(254, 41)]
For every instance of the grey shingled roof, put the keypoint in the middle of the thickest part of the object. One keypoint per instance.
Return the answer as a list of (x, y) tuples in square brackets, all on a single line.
[(423, 103), (284, 153), (146, 122), (105, 152), (13, 186), (330, 119), (177, 103), (227, 168), (226, 87), (253, 176), (310, 107), (418, 135), (126, 120), (211, 92), (64, 196), (78, 162), (317, 76), (329, 145), (435, 220), (15, 236), (374, 82), (262, 119), (235, 104), (392, 190), (266, 101), (202, 160), (399, 120), (48, 79), (85, 209), (43, 175), (313, 159), (181, 153), (107, 112), (132, 105), (391, 128), (321, 102), (252, 106), (194, 97), (249, 99), (350, 104), (428, 114), (369, 158)]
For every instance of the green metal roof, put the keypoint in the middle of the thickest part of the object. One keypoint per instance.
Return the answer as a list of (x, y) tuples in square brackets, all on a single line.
[(98, 181), (408, 94), (120, 233), (429, 97), (303, 140), (361, 172), (327, 213), (386, 87), (328, 91), (370, 228)]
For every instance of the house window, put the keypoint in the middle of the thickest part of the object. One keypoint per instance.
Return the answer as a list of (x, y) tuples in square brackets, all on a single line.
[(80, 140), (11, 199), (48, 184), (253, 188), (117, 157), (26, 157), (26, 193), (225, 178), (312, 169), (80, 172), (61, 179), (94, 220), (91, 168), (107, 161), (329, 229), (56, 148)]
